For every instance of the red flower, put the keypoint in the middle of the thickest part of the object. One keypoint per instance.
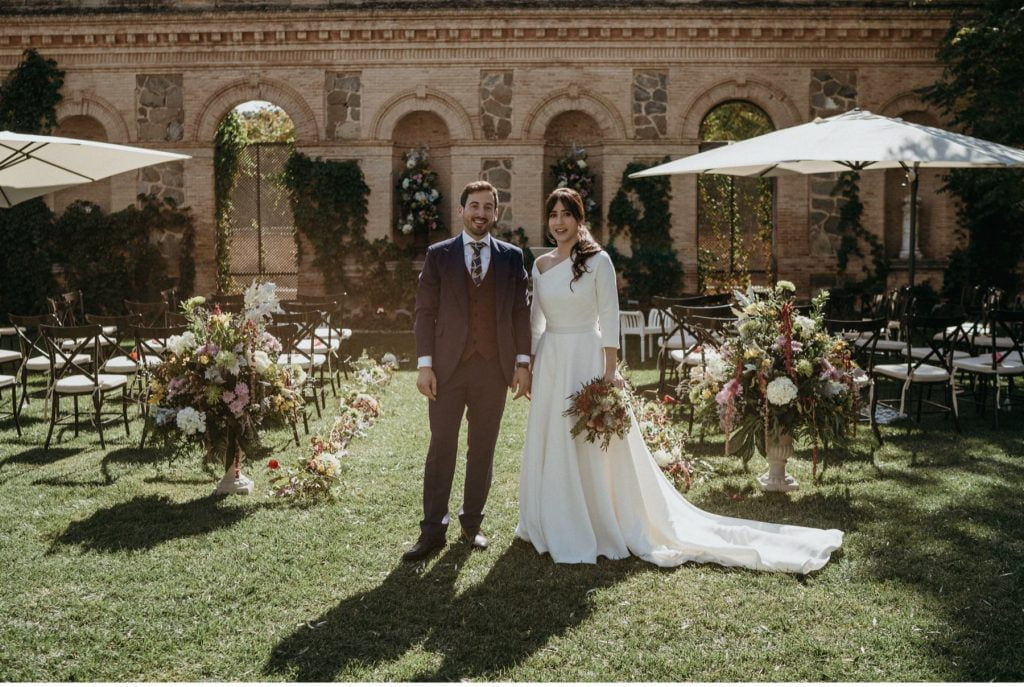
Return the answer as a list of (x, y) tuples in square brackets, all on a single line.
[(668, 400), (134, 355), (273, 464)]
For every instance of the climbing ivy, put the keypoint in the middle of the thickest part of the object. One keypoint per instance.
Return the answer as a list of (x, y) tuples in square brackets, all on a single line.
[(329, 203), (227, 148), (853, 234), (640, 210)]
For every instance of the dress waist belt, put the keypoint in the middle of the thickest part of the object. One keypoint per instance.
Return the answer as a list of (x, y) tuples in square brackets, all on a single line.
[(579, 329)]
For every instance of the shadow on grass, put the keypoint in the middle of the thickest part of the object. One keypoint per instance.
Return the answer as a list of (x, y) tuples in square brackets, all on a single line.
[(967, 557), (524, 601), (147, 521), (39, 456), (122, 456)]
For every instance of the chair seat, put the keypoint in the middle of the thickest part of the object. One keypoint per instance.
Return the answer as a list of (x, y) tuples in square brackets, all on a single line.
[(7, 380), (80, 384), (982, 364), (922, 373), (918, 352), (336, 334), (41, 362), (890, 346), (317, 346), (680, 357), (7, 356), (123, 365), (676, 341), (8, 331), (154, 346), (302, 360)]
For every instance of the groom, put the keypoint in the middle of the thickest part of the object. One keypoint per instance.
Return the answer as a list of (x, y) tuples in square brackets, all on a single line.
[(472, 343)]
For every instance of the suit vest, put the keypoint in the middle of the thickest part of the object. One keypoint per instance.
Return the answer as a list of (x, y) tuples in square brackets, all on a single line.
[(482, 337)]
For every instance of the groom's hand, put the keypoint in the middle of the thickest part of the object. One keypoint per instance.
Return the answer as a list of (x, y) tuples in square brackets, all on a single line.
[(521, 382), (426, 382)]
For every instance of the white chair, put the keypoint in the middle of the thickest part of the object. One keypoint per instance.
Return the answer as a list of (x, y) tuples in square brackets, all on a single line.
[(631, 323)]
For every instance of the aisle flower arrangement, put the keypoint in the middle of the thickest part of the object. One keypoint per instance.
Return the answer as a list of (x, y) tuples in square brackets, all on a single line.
[(667, 443), (420, 212), (319, 473), (780, 376), (574, 172), (221, 382)]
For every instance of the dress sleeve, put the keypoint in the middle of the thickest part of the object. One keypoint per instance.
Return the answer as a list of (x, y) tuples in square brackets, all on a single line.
[(538, 323), (607, 300)]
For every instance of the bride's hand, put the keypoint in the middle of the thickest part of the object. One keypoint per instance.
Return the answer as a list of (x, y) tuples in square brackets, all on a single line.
[(615, 379)]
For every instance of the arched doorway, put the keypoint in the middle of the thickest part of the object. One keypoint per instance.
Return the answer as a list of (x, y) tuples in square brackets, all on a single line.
[(89, 129), (735, 215), (261, 224), (567, 135), (426, 131)]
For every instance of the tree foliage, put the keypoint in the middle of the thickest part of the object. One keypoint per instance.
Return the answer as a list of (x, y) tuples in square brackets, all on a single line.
[(268, 124), (227, 148), (29, 97), (980, 91)]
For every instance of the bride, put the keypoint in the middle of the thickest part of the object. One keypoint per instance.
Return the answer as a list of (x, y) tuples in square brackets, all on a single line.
[(577, 502)]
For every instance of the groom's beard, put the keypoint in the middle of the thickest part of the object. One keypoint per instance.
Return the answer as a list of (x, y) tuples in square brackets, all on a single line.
[(473, 230)]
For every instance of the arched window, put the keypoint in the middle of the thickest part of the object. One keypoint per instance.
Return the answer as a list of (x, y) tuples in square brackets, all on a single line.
[(89, 129), (734, 214)]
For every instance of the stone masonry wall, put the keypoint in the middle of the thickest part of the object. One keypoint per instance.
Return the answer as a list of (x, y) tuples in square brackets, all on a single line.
[(160, 107), (650, 104), (499, 173), (496, 104), (341, 92)]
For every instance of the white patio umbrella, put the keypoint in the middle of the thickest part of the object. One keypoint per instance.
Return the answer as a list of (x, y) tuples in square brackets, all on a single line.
[(32, 166), (850, 141)]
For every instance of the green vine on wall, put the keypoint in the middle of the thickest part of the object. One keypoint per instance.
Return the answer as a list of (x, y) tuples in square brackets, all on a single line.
[(640, 210), (852, 232), (329, 203), (227, 148)]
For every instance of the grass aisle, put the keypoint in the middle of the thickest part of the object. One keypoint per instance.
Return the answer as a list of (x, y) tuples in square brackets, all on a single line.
[(121, 566)]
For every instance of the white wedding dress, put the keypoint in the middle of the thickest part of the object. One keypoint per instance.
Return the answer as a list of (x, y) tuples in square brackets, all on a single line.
[(578, 502)]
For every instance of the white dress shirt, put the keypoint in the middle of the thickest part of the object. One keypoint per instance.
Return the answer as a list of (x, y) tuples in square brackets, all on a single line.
[(485, 263)]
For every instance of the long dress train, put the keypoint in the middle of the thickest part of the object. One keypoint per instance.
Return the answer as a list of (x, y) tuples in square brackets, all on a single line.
[(578, 502)]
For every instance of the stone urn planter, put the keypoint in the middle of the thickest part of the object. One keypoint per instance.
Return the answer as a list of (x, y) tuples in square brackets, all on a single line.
[(777, 451), (233, 481)]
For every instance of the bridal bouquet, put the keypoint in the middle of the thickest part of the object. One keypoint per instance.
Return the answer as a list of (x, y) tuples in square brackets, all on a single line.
[(601, 410), (780, 375), (221, 380)]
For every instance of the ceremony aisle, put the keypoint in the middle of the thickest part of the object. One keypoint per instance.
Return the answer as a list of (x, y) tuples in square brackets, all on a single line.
[(119, 565)]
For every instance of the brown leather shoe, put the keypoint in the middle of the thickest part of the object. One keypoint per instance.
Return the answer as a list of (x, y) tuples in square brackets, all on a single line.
[(475, 539), (423, 548)]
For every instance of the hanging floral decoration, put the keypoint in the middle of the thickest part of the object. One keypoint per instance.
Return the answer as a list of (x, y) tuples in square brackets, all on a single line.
[(421, 201), (573, 171)]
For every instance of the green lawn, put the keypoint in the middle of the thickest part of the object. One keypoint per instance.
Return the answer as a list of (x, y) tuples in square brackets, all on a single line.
[(119, 565)]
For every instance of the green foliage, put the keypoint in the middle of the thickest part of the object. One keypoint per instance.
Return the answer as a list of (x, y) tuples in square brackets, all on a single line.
[(640, 210), (227, 148), (518, 238), (112, 256), (329, 202), (29, 97), (419, 214), (853, 233), (980, 92), (30, 94), (268, 124), (735, 120), (574, 172), (389, 279)]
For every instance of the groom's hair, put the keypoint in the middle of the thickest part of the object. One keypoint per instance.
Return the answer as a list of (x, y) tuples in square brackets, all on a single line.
[(473, 187)]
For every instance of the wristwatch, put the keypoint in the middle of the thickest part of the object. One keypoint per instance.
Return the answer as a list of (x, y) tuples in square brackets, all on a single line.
[(525, 366)]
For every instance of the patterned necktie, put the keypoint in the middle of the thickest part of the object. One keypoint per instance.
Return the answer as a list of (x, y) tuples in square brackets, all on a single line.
[(475, 267)]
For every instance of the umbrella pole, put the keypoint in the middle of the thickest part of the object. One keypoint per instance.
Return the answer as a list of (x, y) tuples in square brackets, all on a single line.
[(912, 177)]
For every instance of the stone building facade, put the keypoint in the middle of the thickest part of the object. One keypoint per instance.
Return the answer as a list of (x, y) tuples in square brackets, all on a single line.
[(496, 90)]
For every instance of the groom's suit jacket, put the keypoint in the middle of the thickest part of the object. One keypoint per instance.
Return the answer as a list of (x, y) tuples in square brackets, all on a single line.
[(442, 306)]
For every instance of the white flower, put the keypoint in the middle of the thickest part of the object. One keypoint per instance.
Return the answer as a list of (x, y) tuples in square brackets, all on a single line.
[(261, 361), (806, 325), (411, 162), (331, 464), (582, 164), (389, 360), (786, 286), (298, 376), (662, 457), (228, 361), (405, 182), (860, 377), (562, 183), (834, 388), (434, 194), (179, 344), (420, 197), (191, 421), (261, 300), (406, 228), (781, 391)]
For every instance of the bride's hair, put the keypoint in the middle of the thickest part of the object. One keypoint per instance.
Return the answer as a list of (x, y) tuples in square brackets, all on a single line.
[(586, 245)]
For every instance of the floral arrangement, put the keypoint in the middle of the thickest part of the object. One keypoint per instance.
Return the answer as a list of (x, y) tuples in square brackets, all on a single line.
[(420, 200), (319, 473), (221, 381), (667, 443), (573, 171), (601, 411), (779, 374)]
